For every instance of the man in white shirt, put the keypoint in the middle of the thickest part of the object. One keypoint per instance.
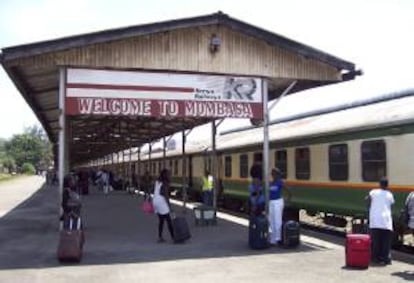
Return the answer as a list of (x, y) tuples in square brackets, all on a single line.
[(380, 201)]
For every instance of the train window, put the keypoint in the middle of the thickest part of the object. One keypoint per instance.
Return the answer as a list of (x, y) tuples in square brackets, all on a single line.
[(302, 163), (244, 166), (338, 162), (374, 165), (176, 167), (281, 161), (227, 166)]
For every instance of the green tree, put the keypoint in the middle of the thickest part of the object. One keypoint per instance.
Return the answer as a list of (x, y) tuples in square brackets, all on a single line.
[(2, 154), (9, 163), (30, 147), (28, 168)]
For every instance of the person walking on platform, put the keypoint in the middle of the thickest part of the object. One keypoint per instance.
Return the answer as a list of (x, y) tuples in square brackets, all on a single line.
[(105, 181), (71, 204), (380, 201), (161, 203), (207, 188), (276, 205)]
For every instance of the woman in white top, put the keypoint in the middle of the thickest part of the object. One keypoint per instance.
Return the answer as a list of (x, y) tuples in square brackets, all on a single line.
[(161, 203)]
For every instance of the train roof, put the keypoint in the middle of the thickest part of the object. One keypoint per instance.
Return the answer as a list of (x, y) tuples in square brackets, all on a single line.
[(375, 113), (381, 112)]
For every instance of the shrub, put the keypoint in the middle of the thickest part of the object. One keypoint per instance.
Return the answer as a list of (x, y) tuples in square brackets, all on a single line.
[(28, 168)]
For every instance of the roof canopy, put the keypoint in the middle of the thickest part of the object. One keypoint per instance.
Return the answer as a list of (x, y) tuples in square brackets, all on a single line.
[(207, 45)]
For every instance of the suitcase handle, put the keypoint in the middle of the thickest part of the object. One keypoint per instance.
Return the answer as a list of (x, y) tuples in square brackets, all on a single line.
[(78, 224)]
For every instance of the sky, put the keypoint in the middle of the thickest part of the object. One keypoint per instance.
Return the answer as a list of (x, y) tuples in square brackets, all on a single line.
[(376, 35)]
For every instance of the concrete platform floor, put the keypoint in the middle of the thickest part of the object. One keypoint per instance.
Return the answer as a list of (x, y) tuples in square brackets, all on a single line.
[(121, 247)]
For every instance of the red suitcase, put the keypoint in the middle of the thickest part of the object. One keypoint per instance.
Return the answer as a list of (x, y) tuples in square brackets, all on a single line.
[(358, 250), (71, 243)]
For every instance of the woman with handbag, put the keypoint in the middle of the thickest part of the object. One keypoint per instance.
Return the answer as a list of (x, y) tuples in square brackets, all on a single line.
[(161, 203)]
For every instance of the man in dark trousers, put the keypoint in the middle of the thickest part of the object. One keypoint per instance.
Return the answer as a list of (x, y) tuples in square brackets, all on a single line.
[(380, 201)]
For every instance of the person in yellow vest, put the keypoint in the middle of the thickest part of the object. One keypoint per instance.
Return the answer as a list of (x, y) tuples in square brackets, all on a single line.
[(207, 188)]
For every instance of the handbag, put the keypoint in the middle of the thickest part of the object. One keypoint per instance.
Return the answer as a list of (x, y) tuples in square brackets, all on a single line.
[(147, 207)]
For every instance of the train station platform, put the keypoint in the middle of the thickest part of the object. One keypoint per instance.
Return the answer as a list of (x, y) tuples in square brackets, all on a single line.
[(121, 246)]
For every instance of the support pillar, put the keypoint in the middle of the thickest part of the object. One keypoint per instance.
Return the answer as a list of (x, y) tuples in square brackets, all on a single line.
[(214, 163), (149, 160), (62, 131), (130, 165), (265, 143), (184, 185), (139, 162), (164, 153)]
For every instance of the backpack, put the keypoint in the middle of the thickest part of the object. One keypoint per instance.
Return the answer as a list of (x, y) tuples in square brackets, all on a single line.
[(74, 196), (74, 202)]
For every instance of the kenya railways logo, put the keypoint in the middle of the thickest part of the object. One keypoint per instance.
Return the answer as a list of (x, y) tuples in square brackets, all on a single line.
[(239, 89), (225, 89)]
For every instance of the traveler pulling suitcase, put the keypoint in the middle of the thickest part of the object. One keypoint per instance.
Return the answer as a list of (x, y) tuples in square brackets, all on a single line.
[(258, 232), (290, 234), (358, 250), (181, 229), (71, 242)]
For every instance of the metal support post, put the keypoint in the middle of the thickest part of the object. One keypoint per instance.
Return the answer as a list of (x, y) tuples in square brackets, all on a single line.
[(164, 153), (118, 168), (215, 167), (130, 165), (149, 159), (183, 172), (139, 162), (123, 165), (62, 132), (265, 143), (284, 93)]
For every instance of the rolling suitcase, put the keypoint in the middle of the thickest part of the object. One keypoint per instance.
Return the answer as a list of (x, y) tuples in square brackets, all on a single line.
[(358, 250), (291, 234), (258, 232), (181, 229), (71, 242)]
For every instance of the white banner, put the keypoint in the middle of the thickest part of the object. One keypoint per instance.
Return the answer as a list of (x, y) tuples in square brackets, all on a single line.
[(109, 92), (160, 86)]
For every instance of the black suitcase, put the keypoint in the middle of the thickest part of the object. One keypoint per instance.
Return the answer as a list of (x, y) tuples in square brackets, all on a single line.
[(181, 229), (258, 232), (291, 234)]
